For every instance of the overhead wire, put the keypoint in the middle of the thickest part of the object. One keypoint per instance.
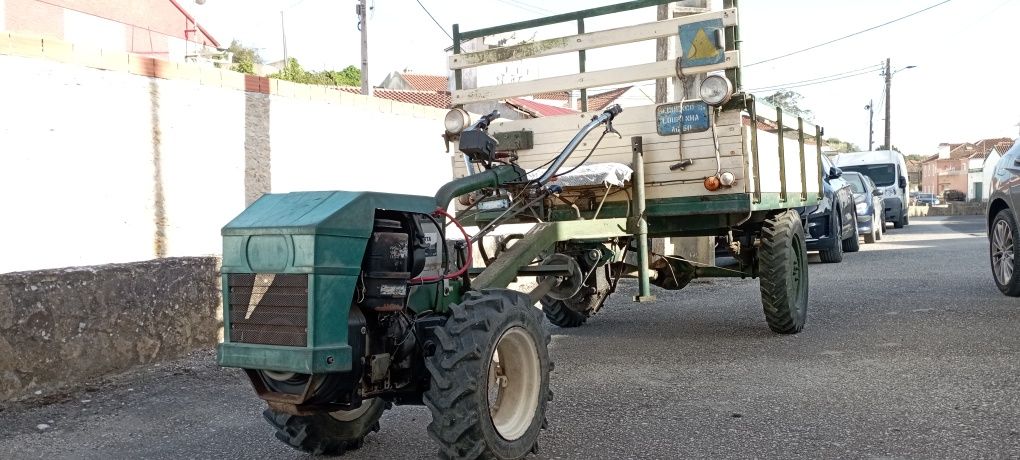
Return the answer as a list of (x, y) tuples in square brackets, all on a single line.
[(830, 80), (434, 19), (847, 36), (783, 85)]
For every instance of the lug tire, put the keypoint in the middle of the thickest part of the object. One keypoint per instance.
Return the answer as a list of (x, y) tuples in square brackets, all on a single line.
[(322, 433), (461, 377), (561, 315), (783, 269), (833, 255), (852, 243), (1003, 236)]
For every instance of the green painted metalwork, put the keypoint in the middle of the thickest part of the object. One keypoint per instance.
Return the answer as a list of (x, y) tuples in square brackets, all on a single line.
[(782, 154), (458, 77), (733, 44), (803, 158), (434, 296), (638, 182), (818, 145), (494, 177), (322, 234), (540, 238), (581, 58), (560, 18), (285, 359), (751, 108)]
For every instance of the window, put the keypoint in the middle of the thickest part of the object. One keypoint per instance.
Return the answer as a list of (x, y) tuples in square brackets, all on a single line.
[(883, 174)]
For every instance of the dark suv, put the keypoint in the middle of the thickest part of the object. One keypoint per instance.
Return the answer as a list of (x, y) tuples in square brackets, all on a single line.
[(831, 227)]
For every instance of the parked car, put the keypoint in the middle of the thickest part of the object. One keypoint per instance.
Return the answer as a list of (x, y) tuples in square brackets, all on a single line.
[(1003, 233), (888, 169), (927, 199), (868, 204), (954, 195), (831, 227)]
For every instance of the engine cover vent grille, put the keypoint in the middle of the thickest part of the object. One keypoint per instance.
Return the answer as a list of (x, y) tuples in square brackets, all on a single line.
[(269, 309)]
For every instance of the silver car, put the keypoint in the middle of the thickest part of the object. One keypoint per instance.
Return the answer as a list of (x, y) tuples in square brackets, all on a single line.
[(1003, 233)]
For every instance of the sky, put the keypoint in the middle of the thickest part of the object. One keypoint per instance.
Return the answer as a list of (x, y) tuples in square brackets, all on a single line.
[(961, 89)]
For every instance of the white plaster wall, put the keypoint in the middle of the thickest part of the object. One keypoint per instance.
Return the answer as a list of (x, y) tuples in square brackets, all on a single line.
[(202, 151), (321, 146), (78, 160), (75, 166)]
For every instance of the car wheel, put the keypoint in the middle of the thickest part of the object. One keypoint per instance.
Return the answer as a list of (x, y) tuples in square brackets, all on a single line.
[(853, 242), (879, 226), (834, 254), (1002, 239)]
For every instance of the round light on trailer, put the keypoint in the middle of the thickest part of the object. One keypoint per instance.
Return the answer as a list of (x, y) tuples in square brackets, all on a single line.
[(716, 90), (456, 121), (727, 179), (712, 183)]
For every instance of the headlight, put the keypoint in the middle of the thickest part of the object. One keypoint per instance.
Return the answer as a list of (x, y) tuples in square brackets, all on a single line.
[(456, 120), (862, 208), (727, 179), (716, 90)]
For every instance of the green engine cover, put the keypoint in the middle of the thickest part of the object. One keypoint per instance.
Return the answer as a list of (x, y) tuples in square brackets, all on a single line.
[(321, 235)]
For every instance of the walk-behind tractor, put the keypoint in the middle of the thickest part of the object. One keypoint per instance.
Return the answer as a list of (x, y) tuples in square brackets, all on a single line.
[(339, 305)]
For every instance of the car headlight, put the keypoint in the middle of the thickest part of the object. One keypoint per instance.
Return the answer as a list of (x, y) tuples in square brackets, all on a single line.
[(862, 208), (456, 121), (716, 90)]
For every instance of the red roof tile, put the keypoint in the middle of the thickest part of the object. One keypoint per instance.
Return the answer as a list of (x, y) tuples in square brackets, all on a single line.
[(602, 100), (425, 82), (538, 109), (429, 98)]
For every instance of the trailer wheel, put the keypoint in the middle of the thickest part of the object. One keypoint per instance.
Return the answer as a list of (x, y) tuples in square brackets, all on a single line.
[(563, 316), (783, 268), (490, 377), (332, 433), (576, 310)]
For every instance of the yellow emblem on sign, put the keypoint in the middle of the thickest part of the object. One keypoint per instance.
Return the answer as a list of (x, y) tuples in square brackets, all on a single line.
[(702, 47)]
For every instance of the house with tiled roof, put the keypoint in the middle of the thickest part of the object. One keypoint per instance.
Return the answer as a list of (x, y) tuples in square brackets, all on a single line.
[(410, 81), (596, 101), (965, 167), (430, 98)]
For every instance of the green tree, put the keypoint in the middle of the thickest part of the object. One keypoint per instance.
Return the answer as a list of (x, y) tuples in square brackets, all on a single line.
[(789, 101), (244, 58), (292, 71), (840, 145)]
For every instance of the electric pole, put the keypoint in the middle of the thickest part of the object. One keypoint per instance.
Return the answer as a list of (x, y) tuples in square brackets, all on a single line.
[(283, 32), (362, 11), (888, 104), (871, 124)]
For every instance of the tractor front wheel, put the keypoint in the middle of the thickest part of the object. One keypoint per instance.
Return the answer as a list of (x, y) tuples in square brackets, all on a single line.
[(490, 377), (332, 433)]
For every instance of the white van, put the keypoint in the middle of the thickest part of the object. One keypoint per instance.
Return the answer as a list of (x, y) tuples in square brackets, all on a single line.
[(888, 169)]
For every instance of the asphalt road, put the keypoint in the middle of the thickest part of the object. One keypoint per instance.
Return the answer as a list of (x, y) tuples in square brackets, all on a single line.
[(909, 352)]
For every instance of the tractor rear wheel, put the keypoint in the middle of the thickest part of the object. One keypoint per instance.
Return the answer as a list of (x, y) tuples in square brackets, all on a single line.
[(490, 377), (332, 433), (783, 268)]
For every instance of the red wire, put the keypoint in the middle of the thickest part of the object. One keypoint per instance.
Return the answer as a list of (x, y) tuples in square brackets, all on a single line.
[(467, 263)]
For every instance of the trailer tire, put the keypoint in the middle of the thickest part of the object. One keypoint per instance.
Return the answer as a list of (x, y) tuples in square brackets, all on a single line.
[(783, 269), (333, 433), (493, 340)]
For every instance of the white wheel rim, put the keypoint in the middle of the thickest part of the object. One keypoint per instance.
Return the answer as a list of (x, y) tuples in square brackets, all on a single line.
[(514, 381), (279, 376), (351, 415), (1002, 252)]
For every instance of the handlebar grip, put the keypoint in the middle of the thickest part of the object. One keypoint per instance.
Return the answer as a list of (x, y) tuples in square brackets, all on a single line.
[(613, 110)]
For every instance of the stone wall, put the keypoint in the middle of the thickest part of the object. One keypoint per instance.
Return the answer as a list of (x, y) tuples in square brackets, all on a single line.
[(62, 327), (951, 209)]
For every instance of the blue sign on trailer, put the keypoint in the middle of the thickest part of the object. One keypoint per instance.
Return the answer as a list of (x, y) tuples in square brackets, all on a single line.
[(701, 43), (691, 117)]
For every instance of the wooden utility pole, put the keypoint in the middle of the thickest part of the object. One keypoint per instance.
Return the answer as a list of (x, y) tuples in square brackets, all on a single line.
[(888, 104), (362, 11), (663, 45)]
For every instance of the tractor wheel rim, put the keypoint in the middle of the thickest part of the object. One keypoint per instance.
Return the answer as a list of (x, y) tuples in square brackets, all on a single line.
[(1002, 252), (351, 415), (514, 382)]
